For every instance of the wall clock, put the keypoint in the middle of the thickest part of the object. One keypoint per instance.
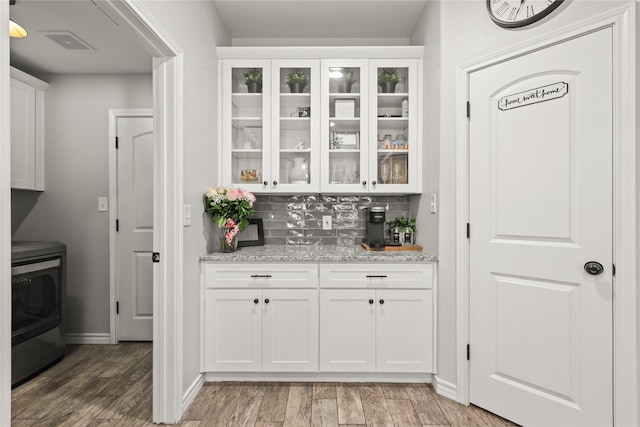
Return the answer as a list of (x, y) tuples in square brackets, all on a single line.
[(518, 13)]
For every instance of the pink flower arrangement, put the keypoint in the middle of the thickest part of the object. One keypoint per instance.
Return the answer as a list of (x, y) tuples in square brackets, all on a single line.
[(230, 208)]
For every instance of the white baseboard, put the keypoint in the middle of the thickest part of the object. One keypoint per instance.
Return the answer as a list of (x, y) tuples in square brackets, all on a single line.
[(444, 388), (88, 338), (192, 392), (344, 377)]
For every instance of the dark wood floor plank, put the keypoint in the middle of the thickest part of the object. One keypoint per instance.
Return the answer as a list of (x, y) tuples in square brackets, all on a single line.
[(298, 411), (246, 412), (223, 407), (403, 413), (394, 391), (374, 404), (198, 408), (457, 415), (324, 390), (423, 400), (268, 424), (274, 402), (324, 413), (349, 404)]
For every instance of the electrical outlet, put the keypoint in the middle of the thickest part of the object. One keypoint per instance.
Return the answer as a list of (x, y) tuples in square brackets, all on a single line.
[(433, 204), (103, 204), (326, 222)]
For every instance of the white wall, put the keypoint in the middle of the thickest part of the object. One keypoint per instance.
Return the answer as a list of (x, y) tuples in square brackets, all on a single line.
[(466, 34), (76, 173), (196, 27)]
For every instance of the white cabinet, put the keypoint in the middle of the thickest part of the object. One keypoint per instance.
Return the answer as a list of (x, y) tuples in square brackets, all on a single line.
[(350, 133), (27, 131), (383, 324), (249, 327), (270, 136), (370, 135)]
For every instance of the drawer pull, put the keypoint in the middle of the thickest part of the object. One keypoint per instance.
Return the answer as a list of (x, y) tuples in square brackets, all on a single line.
[(266, 301), (256, 300), (381, 301), (254, 276), (382, 276), (370, 301)]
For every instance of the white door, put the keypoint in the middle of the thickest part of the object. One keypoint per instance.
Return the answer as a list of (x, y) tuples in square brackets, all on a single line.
[(232, 330), (135, 228), (347, 330), (404, 331), (290, 330), (540, 209)]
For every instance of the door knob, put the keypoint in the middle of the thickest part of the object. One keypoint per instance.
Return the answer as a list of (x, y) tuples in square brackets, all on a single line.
[(266, 301), (370, 301), (594, 268), (255, 301), (381, 301)]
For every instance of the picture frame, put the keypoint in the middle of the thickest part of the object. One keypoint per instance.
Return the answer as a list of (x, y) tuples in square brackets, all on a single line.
[(345, 108), (253, 235), (345, 140)]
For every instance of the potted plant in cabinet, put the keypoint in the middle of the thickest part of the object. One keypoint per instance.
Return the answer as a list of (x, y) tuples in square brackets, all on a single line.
[(387, 80), (297, 81), (253, 80)]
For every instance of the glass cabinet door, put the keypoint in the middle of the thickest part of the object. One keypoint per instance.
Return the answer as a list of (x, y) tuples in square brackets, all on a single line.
[(344, 127), (394, 139), (295, 158), (246, 127)]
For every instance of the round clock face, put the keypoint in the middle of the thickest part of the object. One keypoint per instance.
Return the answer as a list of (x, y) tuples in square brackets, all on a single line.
[(518, 13)]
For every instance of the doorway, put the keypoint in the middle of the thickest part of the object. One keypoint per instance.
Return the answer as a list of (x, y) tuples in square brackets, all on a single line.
[(131, 219), (624, 307), (167, 96)]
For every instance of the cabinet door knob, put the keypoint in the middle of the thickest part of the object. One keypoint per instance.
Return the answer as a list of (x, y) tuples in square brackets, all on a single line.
[(265, 182), (381, 301), (373, 183), (370, 301), (256, 300), (364, 182), (266, 300), (275, 182)]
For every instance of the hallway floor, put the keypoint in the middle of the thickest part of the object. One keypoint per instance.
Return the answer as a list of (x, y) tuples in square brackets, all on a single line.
[(111, 386)]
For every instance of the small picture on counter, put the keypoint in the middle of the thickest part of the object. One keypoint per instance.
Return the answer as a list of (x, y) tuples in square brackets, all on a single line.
[(304, 111), (253, 235), (345, 140)]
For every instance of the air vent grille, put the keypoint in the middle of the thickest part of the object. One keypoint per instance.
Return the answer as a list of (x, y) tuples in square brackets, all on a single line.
[(69, 41)]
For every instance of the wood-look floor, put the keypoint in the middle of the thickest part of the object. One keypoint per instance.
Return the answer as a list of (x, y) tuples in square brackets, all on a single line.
[(111, 385)]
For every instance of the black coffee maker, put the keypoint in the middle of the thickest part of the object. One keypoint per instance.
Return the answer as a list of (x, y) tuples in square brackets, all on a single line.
[(374, 227)]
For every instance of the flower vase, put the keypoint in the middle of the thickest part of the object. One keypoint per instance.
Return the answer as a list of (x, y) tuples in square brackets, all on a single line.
[(299, 173), (228, 240)]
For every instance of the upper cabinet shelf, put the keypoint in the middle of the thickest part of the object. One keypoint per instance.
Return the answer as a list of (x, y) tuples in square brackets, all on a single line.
[(330, 124)]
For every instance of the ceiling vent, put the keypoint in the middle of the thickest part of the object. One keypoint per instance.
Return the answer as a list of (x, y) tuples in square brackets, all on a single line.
[(68, 40)]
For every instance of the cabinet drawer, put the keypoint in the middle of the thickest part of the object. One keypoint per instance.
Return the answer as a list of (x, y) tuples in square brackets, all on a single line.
[(242, 275), (408, 276)]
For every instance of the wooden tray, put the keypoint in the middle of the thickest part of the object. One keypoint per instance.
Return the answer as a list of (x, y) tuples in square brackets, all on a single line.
[(393, 248)]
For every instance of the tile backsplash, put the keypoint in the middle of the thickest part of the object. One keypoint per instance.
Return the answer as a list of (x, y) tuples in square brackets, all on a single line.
[(297, 220)]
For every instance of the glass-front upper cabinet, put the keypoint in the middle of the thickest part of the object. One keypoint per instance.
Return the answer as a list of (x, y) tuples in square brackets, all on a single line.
[(394, 139), (295, 154), (344, 127), (246, 125)]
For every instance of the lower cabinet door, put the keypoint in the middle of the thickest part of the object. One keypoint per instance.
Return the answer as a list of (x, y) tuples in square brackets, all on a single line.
[(347, 330), (232, 330), (290, 330), (404, 332)]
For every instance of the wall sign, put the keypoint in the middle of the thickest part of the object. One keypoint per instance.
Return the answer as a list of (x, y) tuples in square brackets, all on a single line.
[(534, 96)]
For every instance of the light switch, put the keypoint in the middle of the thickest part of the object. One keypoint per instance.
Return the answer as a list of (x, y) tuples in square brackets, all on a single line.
[(433, 204), (103, 204), (187, 215), (326, 222)]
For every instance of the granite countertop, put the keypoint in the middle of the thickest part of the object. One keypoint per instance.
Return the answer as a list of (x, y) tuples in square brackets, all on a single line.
[(318, 253)]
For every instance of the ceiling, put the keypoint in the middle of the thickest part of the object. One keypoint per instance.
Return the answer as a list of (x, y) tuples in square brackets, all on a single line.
[(111, 50), (320, 18)]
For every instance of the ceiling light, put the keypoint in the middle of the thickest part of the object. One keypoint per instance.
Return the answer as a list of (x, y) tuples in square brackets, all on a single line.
[(16, 30)]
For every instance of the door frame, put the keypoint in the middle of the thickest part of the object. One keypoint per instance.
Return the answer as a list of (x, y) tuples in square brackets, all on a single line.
[(114, 290), (135, 19), (625, 309)]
